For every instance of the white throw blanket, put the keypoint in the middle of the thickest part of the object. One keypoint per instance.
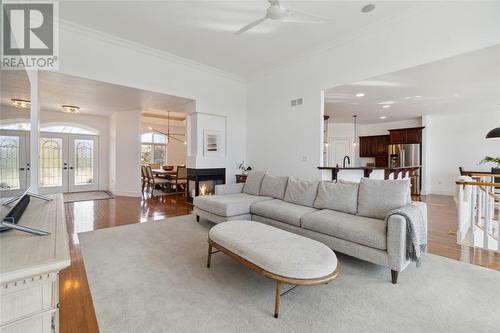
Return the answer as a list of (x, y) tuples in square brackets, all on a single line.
[(416, 231)]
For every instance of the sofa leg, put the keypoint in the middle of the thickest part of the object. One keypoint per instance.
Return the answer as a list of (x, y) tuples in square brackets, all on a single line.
[(394, 276), (197, 218)]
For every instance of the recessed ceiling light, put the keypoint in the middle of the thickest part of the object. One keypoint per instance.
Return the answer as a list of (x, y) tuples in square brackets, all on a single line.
[(386, 102), (386, 106), (368, 8), (70, 108), (360, 94), (383, 117), (20, 103)]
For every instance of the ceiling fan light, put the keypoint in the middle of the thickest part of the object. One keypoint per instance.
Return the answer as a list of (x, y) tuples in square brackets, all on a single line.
[(70, 108), (368, 8), (20, 103), (494, 133)]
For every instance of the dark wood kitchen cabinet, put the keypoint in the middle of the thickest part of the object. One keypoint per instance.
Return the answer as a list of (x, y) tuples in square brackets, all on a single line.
[(373, 146), (406, 135)]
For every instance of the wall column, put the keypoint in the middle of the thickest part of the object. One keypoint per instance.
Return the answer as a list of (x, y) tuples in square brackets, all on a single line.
[(34, 160)]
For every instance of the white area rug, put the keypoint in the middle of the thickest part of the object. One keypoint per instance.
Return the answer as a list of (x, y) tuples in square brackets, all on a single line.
[(86, 196), (152, 277)]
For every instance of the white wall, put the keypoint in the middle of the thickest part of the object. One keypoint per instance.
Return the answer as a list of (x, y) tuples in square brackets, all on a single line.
[(454, 141), (124, 157), (101, 124), (97, 56), (199, 123), (285, 140)]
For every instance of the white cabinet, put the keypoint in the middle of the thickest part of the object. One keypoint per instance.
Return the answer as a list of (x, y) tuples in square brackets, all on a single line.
[(29, 270)]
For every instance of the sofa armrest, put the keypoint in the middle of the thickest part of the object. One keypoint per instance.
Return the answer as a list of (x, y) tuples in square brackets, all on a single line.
[(229, 188), (396, 238)]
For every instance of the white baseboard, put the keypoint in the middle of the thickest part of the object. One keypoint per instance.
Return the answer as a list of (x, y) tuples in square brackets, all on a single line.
[(449, 193)]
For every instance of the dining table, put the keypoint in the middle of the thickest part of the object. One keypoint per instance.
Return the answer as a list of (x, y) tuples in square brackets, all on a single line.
[(164, 173)]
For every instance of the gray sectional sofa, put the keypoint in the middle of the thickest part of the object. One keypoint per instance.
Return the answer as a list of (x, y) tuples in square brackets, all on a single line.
[(348, 217)]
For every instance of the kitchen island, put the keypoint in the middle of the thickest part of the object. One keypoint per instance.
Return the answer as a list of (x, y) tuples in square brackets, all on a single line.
[(356, 173)]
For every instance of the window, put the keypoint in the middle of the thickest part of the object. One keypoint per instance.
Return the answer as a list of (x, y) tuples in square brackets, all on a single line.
[(154, 148)]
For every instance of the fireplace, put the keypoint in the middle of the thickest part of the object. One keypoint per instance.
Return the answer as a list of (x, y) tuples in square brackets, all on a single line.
[(203, 181)]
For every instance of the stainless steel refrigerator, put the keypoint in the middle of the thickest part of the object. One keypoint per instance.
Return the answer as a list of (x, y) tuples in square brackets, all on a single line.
[(409, 155)]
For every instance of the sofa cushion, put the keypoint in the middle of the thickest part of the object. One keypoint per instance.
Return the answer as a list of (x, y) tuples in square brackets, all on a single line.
[(273, 186), (357, 229), (301, 192), (341, 196), (253, 182), (377, 197), (281, 210), (228, 204)]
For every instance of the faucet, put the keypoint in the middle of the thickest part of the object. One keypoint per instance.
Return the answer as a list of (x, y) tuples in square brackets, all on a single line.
[(348, 161)]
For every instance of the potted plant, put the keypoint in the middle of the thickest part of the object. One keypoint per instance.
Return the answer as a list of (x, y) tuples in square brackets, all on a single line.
[(244, 168), (495, 169)]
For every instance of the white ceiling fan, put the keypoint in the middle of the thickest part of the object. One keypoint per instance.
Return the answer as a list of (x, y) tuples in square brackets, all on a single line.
[(276, 11)]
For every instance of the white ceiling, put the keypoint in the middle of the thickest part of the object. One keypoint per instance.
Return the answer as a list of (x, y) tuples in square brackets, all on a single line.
[(203, 30), (465, 83), (93, 97)]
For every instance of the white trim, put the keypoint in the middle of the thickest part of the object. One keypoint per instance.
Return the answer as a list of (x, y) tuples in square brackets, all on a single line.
[(137, 47), (448, 193)]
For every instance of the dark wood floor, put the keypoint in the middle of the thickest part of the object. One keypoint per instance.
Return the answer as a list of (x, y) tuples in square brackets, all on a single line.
[(77, 312)]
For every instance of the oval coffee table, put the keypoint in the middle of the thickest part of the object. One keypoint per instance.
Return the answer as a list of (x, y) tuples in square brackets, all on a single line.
[(277, 254)]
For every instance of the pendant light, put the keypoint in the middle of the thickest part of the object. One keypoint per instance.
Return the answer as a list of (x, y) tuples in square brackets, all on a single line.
[(354, 141), (494, 133)]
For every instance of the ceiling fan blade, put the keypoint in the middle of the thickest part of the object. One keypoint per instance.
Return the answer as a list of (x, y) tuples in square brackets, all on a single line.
[(250, 26), (297, 16)]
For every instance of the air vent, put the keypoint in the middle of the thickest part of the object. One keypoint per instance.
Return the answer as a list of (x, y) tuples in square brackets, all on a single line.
[(297, 102)]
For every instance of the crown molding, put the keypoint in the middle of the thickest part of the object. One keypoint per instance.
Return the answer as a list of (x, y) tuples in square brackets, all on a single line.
[(137, 47)]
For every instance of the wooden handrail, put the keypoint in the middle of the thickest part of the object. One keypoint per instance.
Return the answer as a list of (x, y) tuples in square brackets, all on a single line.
[(483, 174), (459, 182)]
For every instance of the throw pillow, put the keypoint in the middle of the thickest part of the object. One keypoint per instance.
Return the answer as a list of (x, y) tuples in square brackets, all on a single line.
[(341, 196), (301, 192), (273, 186), (378, 197), (253, 182)]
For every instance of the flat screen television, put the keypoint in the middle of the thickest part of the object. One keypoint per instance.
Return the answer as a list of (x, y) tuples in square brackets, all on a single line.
[(11, 219)]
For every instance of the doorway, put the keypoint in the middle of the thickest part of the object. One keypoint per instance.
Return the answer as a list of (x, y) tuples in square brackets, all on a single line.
[(338, 149)]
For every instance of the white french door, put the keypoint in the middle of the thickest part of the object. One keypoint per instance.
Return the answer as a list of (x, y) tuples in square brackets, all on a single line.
[(82, 174), (53, 172), (14, 165), (68, 163)]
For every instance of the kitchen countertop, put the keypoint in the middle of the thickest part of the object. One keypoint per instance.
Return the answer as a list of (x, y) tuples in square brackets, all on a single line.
[(366, 168)]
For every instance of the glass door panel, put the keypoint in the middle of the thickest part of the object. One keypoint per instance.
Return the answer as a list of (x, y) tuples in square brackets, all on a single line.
[(82, 166), (53, 166), (13, 165)]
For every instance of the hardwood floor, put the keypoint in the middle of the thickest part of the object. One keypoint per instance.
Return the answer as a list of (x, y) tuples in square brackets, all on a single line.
[(77, 312)]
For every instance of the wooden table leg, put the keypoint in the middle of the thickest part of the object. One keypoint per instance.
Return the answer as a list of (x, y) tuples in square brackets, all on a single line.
[(209, 254), (277, 300)]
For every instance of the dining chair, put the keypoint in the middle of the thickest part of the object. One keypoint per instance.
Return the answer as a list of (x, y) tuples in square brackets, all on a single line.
[(153, 181), (154, 165), (180, 179), (144, 177)]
